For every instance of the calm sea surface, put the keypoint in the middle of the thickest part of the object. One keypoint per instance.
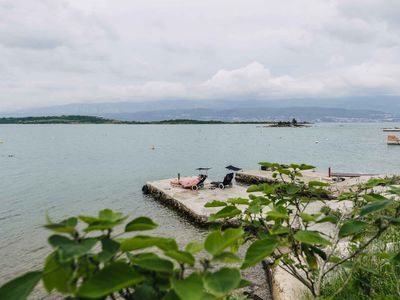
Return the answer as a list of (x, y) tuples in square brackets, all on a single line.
[(80, 169)]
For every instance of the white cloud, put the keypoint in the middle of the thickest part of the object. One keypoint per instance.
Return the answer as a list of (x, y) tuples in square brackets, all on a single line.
[(56, 52)]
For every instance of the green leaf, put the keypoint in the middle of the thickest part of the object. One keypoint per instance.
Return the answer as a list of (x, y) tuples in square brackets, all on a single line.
[(109, 215), (106, 220), (375, 206), (88, 219), (255, 188), (155, 264), (254, 208), (396, 258), (194, 247), (347, 195), (109, 249), (304, 167), (222, 282), (71, 248), (284, 171), (226, 257), (332, 219), (376, 182), (142, 242), (57, 275), (259, 250), (101, 225), (217, 241), (278, 212), (266, 188), (140, 256), (318, 251), (317, 184), (395, 190), (311, 238), (292, 189), (348, 265), (181, 256), (369, 270), (145, 292), (393, 221), (215, 203), (373, 197), (65, 226), (335, 259), (244, 283), (310, 258), (207, 296), (278, 230), (383, 255), (307, 218), (190, 288), (226, 212), (20, 287), (140, 224), (240, 201), (110, 279), (352, 227)]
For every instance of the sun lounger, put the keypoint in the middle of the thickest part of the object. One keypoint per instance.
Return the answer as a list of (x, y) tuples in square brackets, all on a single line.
[(227, 182), (190, 183)]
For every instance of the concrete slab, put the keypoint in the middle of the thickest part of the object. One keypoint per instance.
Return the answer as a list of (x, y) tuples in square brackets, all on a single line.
[(260, 176), (191, 203)]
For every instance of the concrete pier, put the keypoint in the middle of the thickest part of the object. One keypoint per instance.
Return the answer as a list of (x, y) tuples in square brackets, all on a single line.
[(260, 176), (338, 184), (191, 203)]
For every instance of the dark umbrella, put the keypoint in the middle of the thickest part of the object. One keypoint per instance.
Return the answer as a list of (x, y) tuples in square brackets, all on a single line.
[(233, 168)]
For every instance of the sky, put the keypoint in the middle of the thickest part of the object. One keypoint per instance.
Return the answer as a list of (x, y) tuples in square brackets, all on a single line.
[(55, 52)]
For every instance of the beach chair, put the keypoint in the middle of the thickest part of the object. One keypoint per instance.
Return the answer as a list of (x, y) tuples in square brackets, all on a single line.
[(227, 182)]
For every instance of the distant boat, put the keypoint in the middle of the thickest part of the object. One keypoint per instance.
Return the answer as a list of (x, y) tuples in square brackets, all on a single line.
[(393, 140), (394, 129)]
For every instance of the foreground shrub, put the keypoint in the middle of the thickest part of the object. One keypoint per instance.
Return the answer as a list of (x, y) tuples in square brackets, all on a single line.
[(91, 263), (307, 245)]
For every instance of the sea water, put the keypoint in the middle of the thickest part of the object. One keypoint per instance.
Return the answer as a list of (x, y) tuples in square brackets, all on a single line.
[(68, 170)]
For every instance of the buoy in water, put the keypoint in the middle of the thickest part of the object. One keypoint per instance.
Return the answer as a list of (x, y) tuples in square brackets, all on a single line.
[(152, 147), (316, 142)]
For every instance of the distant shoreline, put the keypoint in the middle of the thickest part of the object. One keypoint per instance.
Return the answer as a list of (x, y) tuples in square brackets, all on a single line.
[(73, 119)]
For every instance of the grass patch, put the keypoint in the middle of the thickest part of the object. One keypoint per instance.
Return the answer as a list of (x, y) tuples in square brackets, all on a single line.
[(375, 276)]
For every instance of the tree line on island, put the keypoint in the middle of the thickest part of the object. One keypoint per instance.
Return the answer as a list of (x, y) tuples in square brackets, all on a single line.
[(77, 119)]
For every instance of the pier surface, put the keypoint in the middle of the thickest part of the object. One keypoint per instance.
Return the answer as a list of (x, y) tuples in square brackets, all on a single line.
[(339, 182), (191, 203), (261, 176)]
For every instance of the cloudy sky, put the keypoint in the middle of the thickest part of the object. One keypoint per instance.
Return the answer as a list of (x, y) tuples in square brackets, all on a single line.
[(68, 51)]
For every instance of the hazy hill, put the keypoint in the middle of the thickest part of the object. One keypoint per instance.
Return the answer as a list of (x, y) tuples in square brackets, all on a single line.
[(311, 109), (314, 114)]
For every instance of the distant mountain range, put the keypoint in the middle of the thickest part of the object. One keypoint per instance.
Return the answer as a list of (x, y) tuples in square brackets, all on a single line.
[(313, 114), (383, 108)]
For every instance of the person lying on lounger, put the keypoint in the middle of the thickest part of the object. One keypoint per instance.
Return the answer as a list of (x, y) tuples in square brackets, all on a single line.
[(190, 182)]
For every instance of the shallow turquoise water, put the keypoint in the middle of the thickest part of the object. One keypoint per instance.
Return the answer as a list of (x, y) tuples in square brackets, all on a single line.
[(75, 169)]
